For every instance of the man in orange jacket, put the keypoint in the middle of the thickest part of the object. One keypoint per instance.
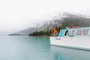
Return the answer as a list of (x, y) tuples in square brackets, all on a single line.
[(54, 32)]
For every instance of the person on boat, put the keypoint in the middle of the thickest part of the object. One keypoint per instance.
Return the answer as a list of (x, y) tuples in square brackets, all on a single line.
[(54, 32), (74, 27)]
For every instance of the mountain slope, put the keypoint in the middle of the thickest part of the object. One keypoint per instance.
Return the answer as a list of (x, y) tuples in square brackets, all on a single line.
[(62, 21)]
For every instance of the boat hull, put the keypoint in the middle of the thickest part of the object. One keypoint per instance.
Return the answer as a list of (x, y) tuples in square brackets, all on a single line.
[(80, 42)]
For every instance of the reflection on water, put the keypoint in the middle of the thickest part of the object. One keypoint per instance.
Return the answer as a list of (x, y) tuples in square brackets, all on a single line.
[(60, 53), (37, 48)]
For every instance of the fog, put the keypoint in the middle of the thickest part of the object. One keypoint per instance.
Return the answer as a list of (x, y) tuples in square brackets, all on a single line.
[(16, 15)]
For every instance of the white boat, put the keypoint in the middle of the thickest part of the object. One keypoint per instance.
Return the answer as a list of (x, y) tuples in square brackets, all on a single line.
[(73, 38)]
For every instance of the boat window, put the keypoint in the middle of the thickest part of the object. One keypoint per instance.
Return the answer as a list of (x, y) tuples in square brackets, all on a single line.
[(79, 32), (85, 31), (71, 32), (62, 33)]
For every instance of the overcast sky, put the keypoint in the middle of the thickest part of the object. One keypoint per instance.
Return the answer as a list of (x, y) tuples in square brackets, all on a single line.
[(16, 15)]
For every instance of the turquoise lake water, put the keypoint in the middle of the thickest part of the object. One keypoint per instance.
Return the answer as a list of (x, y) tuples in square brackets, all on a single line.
[(36, 48)]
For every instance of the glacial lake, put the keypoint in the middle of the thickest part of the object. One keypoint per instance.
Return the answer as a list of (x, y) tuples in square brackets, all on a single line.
[(36, 48)]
